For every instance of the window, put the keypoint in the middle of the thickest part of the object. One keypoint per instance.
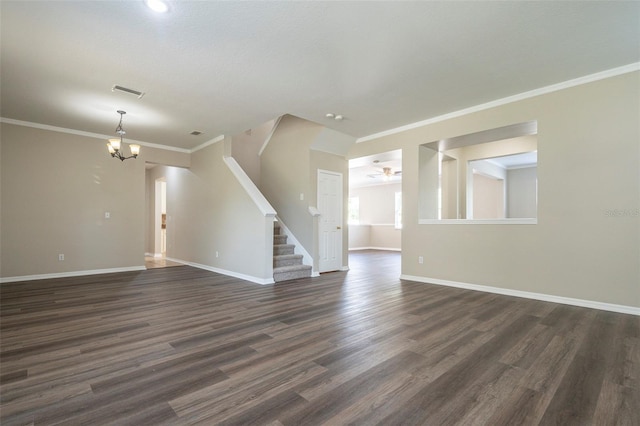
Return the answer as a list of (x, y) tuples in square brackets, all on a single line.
[(354, 210), (398, 211)]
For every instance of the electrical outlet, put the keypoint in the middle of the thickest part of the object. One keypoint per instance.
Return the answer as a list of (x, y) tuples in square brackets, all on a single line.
[(107, 215), (420, 259), (301, 196), (60, 257)]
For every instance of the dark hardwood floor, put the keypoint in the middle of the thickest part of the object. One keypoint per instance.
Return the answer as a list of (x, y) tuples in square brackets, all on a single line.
[(185, 346)]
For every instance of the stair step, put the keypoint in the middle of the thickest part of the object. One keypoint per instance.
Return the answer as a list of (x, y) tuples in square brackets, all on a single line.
[(287, 260), (283, 249), (279, 239), (293, 272), (286, 264)]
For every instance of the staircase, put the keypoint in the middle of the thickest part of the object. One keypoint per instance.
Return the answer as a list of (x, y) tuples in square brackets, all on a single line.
[(286, 264)]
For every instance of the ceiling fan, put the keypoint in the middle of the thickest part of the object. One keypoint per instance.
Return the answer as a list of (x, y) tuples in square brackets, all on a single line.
[(386, 173)]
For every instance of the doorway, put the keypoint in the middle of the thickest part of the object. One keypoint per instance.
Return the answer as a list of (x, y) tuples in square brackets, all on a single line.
[(375, 202), (160, 218), (158, 257)]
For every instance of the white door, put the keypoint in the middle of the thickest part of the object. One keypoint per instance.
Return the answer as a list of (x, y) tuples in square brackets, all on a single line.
[(330, 232)]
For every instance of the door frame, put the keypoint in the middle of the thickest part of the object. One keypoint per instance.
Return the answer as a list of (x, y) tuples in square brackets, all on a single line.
[(340, 247)]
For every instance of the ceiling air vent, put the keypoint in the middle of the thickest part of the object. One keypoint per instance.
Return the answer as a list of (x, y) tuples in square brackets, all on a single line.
[(196, 133), (117, 88)]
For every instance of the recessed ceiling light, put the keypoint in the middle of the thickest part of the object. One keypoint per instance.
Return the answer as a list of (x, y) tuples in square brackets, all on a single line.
[(337, 117), (159, 6)]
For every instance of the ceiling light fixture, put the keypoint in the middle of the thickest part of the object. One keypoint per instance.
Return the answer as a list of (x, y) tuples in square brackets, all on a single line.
[(159, 6), (336, 117), (115, 144)]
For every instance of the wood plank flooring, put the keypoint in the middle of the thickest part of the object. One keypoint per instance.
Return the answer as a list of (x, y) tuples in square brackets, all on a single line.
[(183, 346)]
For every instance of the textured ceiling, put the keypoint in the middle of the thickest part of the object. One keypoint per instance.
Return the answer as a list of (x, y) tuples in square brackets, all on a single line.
[(224, 67)]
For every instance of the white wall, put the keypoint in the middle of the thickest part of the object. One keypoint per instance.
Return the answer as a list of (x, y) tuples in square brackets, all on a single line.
[(578, 249)]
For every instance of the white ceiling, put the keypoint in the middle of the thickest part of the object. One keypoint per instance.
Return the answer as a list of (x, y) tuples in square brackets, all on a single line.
[(515, 161), (225, 67)]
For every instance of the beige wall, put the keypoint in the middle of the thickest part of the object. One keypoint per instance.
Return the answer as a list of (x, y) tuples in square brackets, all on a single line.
[(522, 192), (377, 203), (165, 157), (378, 237), (208, 211), (359, 236), (377, 218), (285, 169), (290, 168), (577, 250), (56, 188), (488, 197), (385, 237), (246, 147)]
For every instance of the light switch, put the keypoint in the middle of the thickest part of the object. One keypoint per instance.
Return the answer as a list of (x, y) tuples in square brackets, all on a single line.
[(301, 196)]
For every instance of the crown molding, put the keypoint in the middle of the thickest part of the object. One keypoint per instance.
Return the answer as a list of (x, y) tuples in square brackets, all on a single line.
[(206, 144), (509, 99), (88, 134)]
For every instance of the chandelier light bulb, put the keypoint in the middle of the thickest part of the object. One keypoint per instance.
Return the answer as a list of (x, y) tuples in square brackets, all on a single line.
[(115, 144)]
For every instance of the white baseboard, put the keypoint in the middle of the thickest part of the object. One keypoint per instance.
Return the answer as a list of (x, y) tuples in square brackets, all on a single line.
[(344, 268), (262, 281), (154, 255), (375, 248), (623, 309), (71, 274)]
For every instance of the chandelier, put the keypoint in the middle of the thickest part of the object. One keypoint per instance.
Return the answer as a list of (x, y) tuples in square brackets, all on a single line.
[(114, 145)]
